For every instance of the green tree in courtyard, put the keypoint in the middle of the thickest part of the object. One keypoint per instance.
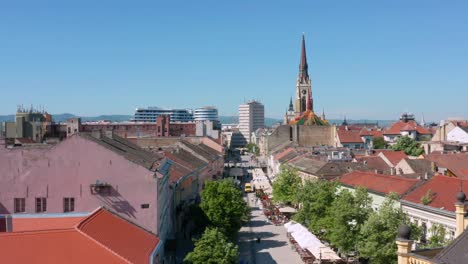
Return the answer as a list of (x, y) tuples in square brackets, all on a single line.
[(378, 234), (286, 185), (437, 238), (316, 198), (253, 148), (349, 211), (213, 248), (224, 205), (379, 143), (409, 146)]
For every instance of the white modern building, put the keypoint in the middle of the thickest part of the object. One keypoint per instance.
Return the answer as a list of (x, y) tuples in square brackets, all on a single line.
[(251, 118), (151, 113), (209, 113)]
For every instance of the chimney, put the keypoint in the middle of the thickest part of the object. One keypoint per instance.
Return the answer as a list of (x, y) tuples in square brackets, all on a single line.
[(426, 176), (433, 167), (392, 171), (460, 213)]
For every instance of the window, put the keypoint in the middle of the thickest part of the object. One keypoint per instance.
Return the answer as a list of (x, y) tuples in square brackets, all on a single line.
[(20, 205), (68, 204), (41, 204), (144, 206)]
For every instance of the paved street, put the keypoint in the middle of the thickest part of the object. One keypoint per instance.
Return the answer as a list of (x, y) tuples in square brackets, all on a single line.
[(274, 246)]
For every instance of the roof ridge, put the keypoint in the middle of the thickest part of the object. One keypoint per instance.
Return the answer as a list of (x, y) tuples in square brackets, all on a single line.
[(28, 232), (101, 245), (86, 221)]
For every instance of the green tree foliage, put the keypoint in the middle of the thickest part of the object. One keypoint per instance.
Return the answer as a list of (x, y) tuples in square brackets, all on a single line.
[(379, 143), (212, 248), (224, 205), (253, 148), (286, 185), (378, 234), (437, 238), (348, 213), (409, 146), (316, 198)]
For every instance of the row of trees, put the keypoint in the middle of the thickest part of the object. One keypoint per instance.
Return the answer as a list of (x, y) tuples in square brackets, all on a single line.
[(223, 211), (346, 219)]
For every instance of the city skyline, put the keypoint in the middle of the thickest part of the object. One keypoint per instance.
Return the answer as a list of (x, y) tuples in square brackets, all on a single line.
[(380, 59)]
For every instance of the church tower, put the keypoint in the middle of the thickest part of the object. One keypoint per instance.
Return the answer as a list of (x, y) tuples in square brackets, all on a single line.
[(304, 100)]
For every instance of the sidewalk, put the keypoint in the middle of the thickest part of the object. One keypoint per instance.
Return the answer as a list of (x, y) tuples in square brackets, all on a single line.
[(274, 246)]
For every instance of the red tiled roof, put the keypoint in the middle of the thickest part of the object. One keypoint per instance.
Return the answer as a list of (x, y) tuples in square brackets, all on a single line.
[(53, 246), (371, 132), (126, 239), (102, 237), (399, 126), (455, 162), (394, 156), (378, 182), (177, 171), (444, 190), (283, 153), (41, 224), (373, 162), (349, 136)]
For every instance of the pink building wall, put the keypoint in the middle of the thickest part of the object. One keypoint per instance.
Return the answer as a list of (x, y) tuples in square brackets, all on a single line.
[(67, 170)]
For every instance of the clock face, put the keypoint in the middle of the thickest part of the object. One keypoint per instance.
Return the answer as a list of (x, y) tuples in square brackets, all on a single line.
[(304, 91)]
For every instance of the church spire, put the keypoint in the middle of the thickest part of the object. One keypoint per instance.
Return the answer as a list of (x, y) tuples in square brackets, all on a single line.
[(291, 107), (303, 67)]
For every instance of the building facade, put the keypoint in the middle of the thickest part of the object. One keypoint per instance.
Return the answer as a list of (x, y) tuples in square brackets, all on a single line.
[(251, 118), (151, 113), (207, 113)]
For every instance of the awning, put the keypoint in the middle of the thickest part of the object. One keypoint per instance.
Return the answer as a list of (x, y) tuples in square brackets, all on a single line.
[(287, 209)]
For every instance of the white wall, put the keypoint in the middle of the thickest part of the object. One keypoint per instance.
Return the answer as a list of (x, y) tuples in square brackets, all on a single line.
[(457, 134)]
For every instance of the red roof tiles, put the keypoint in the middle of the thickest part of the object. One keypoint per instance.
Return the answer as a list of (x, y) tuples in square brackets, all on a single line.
[(393, 156), (444, 190), (378, 182), (41, 224), (457, 163), (126, 239), (349, 136), (102, 237), (399, 126)]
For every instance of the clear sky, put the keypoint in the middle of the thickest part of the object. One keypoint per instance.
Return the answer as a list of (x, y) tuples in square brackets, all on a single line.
[(367, 59)]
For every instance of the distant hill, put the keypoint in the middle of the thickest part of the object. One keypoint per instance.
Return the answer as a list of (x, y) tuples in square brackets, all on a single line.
[(235, 119), (64, 117), (223, 119)]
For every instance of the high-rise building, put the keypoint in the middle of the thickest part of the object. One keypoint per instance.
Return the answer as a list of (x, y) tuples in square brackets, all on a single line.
[(251, 118), (151, 113), (209, 113)]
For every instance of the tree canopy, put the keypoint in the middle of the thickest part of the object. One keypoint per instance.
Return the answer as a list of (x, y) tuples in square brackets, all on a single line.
[(286, 185), (378, 234), (212, 248), (409, 146), (379, 143), (224, 205), (253, 148), (316, 198), (349, 212)]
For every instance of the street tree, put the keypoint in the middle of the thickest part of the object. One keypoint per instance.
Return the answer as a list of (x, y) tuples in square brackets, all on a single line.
[(316, 198), (409, 146), (212, 248), (286, 185), (349, 211), (378, 234), (224, 205)]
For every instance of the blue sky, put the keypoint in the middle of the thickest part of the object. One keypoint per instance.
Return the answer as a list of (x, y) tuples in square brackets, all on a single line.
[(367, 59)]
